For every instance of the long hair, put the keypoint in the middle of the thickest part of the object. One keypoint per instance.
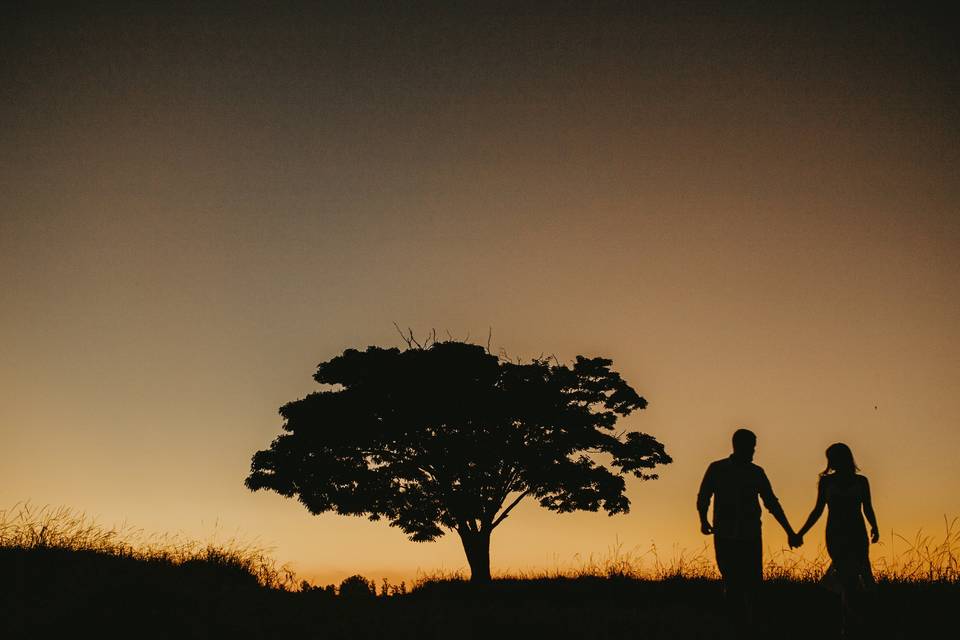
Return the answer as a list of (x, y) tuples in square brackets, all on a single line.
[(840, 460)]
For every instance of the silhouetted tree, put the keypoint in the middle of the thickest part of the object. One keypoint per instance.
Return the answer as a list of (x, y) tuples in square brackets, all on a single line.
[(452, 437)]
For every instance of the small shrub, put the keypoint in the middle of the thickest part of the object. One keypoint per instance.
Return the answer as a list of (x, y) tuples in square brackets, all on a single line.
[(357, 586)]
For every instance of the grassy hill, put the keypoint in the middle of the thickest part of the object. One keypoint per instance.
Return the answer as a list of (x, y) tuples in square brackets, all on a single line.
[(60, 577)]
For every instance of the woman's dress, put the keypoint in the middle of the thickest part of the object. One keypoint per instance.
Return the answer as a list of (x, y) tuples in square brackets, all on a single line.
[(847, 541)]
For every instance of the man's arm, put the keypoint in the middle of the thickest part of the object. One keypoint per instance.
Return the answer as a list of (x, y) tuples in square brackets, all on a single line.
[(772, 504), (703, 500)]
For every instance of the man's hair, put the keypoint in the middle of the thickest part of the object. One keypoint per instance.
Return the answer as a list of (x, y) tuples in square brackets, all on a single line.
[(743, 438)]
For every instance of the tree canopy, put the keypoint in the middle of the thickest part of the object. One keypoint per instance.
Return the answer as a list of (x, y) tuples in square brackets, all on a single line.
[(451, 437)]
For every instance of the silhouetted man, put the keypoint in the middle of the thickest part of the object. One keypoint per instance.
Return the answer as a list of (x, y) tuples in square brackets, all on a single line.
[(735, 483)]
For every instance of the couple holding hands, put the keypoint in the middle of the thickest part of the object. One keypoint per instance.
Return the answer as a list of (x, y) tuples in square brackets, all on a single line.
[(735, 483)]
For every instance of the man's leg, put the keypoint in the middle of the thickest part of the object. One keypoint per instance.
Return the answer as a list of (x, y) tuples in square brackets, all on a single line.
[(753, 576), (730, 562)]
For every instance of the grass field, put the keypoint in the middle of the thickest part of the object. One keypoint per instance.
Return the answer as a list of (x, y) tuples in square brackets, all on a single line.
[(61, 574)]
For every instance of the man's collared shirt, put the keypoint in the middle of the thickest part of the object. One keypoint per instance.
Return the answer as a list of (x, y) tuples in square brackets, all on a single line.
[(735, 485)]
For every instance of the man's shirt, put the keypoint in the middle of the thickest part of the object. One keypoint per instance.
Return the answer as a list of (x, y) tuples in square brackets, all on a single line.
[(734, 486)]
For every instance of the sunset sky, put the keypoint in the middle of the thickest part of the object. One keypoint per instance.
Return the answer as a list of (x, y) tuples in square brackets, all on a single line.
[(754, 211)]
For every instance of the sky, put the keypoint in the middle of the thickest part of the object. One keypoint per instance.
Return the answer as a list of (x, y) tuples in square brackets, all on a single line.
[(753, 210)]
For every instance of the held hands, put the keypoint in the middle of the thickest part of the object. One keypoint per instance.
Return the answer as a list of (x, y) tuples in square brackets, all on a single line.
[(795, 540)]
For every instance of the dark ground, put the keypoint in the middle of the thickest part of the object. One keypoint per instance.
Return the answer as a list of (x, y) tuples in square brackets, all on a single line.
[(50, 593)]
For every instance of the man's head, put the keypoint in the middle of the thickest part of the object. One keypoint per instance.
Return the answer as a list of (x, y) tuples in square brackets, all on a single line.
[(744, 444)]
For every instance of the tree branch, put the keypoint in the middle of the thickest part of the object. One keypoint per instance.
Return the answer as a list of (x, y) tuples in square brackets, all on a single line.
[(414, 340), (402, 335), (508, 486), (506, 511)]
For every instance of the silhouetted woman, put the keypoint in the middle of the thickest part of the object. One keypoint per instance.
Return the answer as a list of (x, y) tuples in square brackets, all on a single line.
[(846, 494)]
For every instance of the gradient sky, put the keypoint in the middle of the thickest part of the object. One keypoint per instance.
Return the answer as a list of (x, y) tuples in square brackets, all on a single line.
[(753, 212)]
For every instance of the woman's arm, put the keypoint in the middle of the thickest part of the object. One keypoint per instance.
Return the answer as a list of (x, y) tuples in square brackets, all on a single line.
[(868, 511), (817, 510)]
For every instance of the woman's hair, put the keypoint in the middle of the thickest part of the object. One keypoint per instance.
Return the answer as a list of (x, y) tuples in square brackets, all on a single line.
[(840, 460)]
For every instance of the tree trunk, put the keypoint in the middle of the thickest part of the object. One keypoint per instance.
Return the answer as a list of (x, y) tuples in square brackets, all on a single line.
[(477, 547)]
